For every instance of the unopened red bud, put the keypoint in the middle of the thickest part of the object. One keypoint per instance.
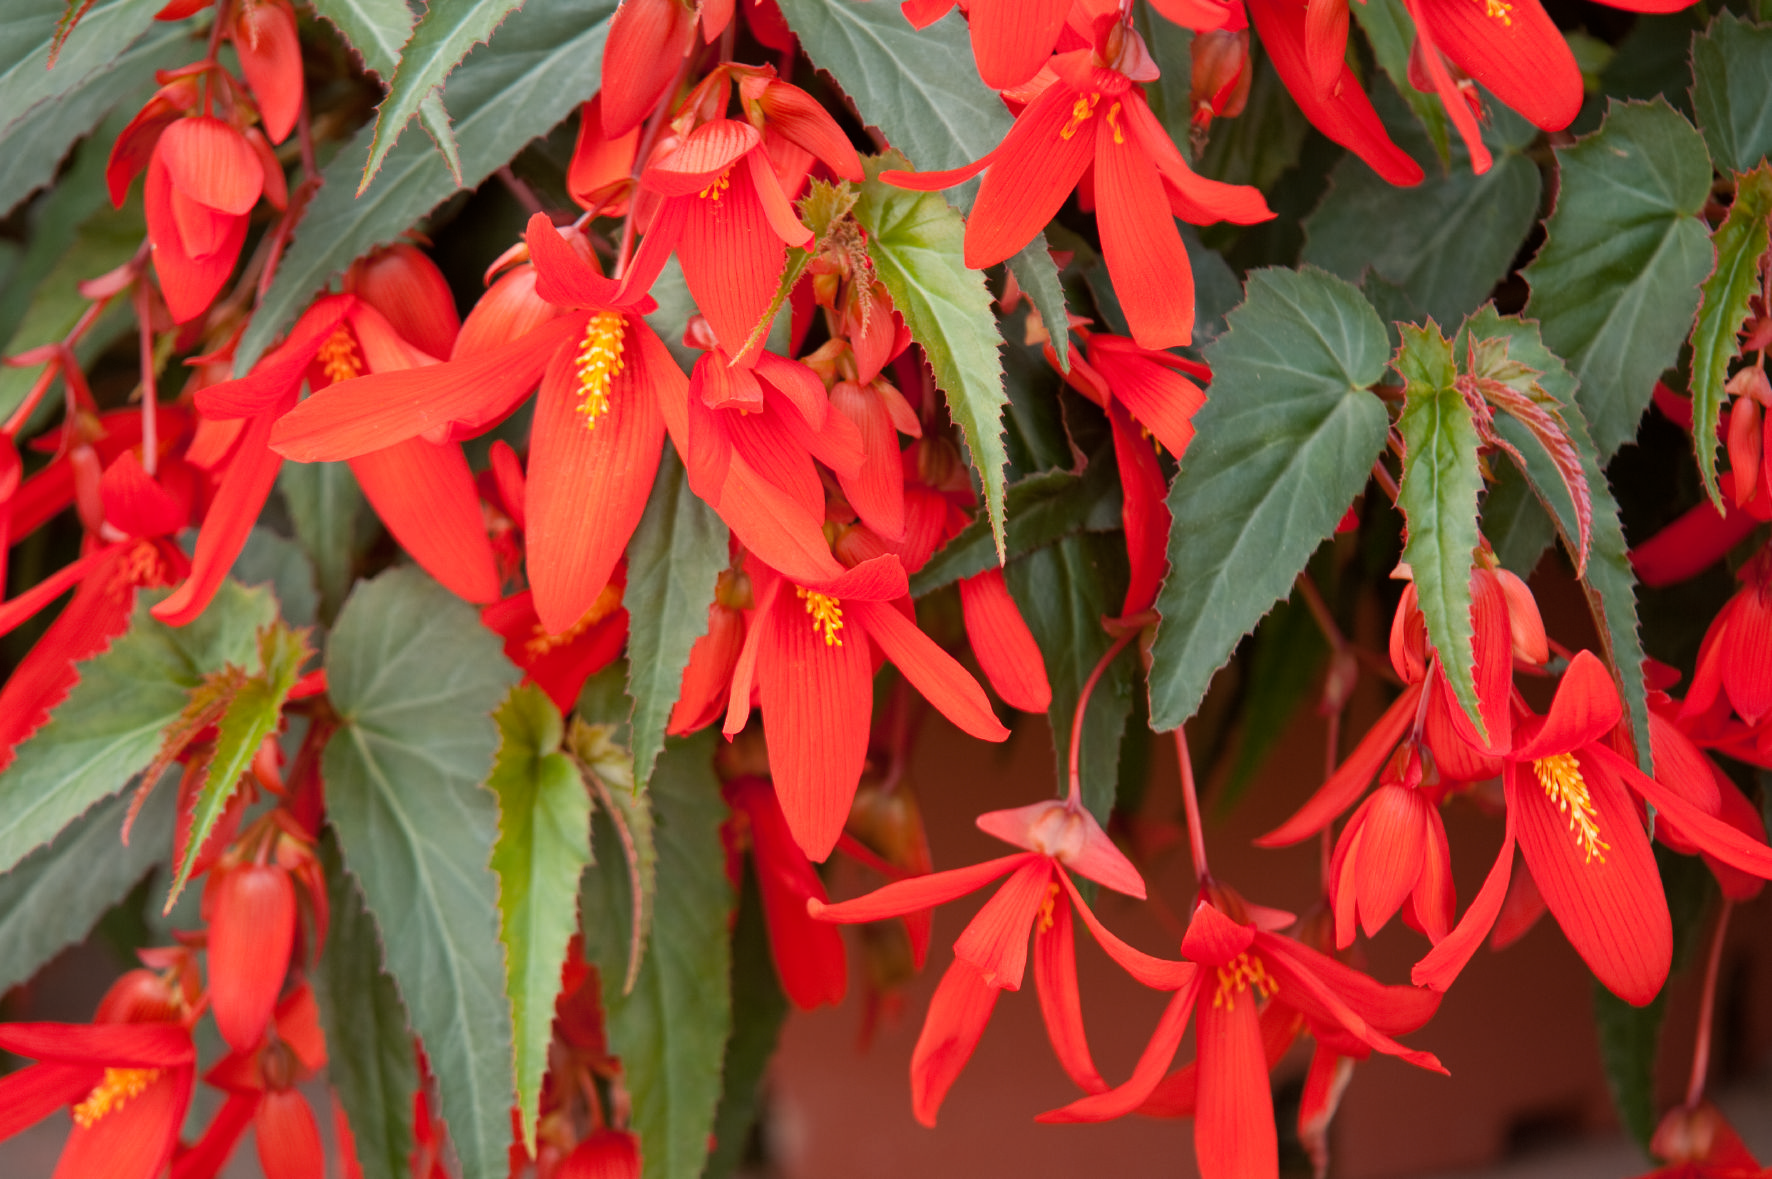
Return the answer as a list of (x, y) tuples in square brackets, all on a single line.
[(1221, 75), (252, 913), (1525, 626)]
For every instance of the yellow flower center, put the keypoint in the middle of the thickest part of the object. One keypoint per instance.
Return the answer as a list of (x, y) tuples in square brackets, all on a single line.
[(1499, 10), (717, 189), (827, 614), (541, 642), (1113, 118), (1560, 775), (119, 1086), (1047, 906), (1081, 112), (599, 361), (1238, 975), (338, 356)]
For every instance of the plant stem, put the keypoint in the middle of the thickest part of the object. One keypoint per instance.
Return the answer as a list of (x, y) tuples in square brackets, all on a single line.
[(1190, 797), (1707, 1008), (1076, 775)]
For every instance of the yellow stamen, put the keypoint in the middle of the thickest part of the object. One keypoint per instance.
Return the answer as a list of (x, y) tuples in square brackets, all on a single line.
[(1113, 118), (338, 356), (599, 361), (827, 614), (717, 189), (1560, 775), (1499, 10), (119, 1086), (541, 642), (1241, 973), (1081, 112), (1047, 906)]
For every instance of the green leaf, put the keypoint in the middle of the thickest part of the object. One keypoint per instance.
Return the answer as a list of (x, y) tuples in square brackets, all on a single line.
[(53, 897), (609, 768), (544, 843), (1391, 33), (32, 147), (333, 524), (671, 1029), (1286, 440), (108, 728), (1438, 495), (758, 1011), (1610, 585), (1514, 521), (1447, 241), (1740, 242), (528, 78), (1042, 508), (1264, 141), (270, 559), (252, 714), (921, 89), (674, 561), (28, 30), (445, 34), (916, 243), (376, 29), (1282, 671), (414, 678), (1731, 77), (1064, 590), (1616, 284), (1629, 1037), (370, 1059)]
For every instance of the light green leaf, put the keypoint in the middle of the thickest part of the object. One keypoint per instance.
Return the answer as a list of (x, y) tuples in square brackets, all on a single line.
[(1064, 590), (1447, 241), (376, 29), (447, 32), (671, 1029), (108, 728), (252, 714), (333, 524), (53, 897), (1616, 284), (370, 1058), (1740, 242), (674, 560), (1610, 584), (28, 29), (1731, 77), (414, 678), (1286, 440), (916, 243), (1438, 495), (530, 77), (544, 842)]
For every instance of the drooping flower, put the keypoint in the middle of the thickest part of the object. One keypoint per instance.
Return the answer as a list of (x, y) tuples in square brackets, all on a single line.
[(809, 957), (1697, 1142), (1011, 39)]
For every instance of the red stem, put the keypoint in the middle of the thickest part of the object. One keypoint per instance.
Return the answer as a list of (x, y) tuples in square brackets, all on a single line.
[(1076, 774), (1707, 1009), (1190, 797)]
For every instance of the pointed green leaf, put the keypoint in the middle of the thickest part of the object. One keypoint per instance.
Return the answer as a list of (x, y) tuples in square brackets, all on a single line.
[(1286, 440), (53, 897), (1445, 242), (1438, 495), (1610, 585), (671, 1029), (921, 89), (609, 768), (527, 79), (1731, 77), (1615, 286), (1064, 590), (917, 245), (251, 715), (1740, 243), (370, 1058), (1630, 1039), (108, 728), (28, 29), (376, 29), (332, 522), (1514, 522), (447, 32), (414, 678), (674, 560), (544, 842), (758, 1011)]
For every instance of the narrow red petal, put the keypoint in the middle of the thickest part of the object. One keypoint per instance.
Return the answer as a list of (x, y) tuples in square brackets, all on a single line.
[(425, 495), (996, 939), (1163, 401), (958, 1013), (1061, 1003), (562, 276), (270, 57), (36, 1091), (1389, 861), (1234, 1134), (1160, 974), (918, 893), (1030, 176), (288, 1136), (1152, 1062), (110, 1045), (1441, 965), (810, 959), (1352, 776), (1005, 647), (932, 671)]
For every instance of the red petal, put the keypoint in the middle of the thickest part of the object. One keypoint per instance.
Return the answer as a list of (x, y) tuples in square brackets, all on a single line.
[(1234, 1134), (996, 939), (1061, 1004), (1747, 659), (646, 43), (1212, 939), (202, 231), (136, 504), (597, 178), (1163, 401), (1325, 42), (188, 284), (777, 209), (288, 1137), (251, 933), (1586, 708), (1158, 973), (1352, 776), (876, 490), (279, 372), (409, 290), (509, 310), (732, 258), (1389, 860), (211, 1153), (958, 1012), (706, 154), (932, 671), (1120, 1101), (1031, 174), (606, 1154), (916, 894), (36, 1091), (562, 276), (1435, 899), (1145, 257), (270, 57), (1611, 906), (1196, 198), (1005, 647), (1691, 544), (133, 1141), (425, 495), (587, 488), (111, 1045), (1011, 39), (1712, 836), (709, 673), (1300, 971), (210, 162), (766, 444), (1523, 59), (1441, 964), (809, 956), (797, 116)]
